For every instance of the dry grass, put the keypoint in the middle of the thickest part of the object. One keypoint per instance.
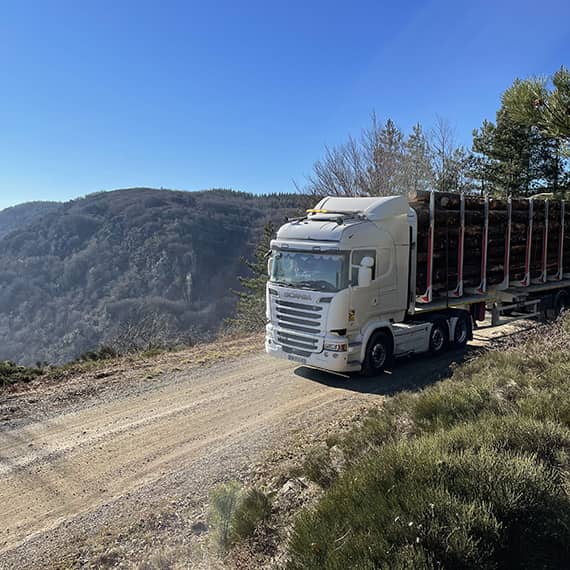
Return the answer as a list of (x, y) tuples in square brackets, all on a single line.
[(145, 364)]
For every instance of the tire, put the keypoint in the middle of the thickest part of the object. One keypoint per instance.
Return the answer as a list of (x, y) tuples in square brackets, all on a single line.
[(378, 354), (461, 332), (559, 305), (438, 337)]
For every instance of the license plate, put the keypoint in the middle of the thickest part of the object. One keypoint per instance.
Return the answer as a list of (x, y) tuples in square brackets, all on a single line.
[(298, 359)]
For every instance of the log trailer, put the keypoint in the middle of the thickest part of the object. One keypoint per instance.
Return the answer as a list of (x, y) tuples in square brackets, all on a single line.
[(358, 281)]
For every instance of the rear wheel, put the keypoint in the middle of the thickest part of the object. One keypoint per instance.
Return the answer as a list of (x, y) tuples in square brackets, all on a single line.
[(378, 354), (559, 305), (461, 333), (438, 338)]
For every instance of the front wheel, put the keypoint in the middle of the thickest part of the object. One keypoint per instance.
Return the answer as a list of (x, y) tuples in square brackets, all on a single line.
[(378, 354)]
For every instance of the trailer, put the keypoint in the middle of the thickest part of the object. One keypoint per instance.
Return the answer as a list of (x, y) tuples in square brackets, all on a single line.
[(358, 281)]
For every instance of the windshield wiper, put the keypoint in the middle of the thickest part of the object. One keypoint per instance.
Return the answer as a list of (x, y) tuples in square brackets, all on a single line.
[(283, 283), (321, 285)]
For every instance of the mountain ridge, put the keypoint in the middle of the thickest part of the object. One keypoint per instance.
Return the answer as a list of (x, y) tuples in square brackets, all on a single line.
[(75, 277)]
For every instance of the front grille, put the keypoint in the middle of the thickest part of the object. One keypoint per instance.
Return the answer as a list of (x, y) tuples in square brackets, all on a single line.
[(299, 327), (297, 341), (299, 317)]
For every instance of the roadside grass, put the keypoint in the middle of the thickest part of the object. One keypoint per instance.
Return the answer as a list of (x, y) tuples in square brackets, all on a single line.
[(105, 362), (11, 373), (472, 472)]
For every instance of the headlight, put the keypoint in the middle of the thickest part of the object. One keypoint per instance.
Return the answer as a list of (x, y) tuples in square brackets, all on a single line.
[(336, 346)]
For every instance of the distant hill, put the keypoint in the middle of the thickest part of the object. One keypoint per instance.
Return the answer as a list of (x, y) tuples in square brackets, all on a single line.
[(19, 216), (77, 274)]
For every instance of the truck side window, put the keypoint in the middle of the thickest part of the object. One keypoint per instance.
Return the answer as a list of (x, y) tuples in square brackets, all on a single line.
[(356, 259)]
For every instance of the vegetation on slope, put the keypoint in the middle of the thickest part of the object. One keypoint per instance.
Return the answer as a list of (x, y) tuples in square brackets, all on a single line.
[(469, 473), (11, 373), (19, 216), (77, 278)]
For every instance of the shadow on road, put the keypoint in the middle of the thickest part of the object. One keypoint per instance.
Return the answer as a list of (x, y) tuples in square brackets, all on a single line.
[(405, 374)]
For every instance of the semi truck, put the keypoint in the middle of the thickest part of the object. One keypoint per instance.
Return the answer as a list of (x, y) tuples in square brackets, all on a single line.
[(358, 281)]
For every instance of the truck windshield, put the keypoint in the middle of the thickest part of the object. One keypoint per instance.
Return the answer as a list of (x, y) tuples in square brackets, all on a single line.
[(308, 270)]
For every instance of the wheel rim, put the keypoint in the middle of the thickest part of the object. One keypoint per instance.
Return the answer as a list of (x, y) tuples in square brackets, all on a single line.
[(461, 331), (437, 339), (378, 355)]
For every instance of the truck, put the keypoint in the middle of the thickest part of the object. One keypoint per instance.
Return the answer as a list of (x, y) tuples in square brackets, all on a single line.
[(357, 281)]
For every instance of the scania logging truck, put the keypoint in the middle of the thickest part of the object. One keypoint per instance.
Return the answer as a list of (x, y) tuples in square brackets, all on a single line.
[(358, 281)]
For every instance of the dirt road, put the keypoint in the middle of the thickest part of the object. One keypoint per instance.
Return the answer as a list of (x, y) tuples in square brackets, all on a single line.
[(79, 468)]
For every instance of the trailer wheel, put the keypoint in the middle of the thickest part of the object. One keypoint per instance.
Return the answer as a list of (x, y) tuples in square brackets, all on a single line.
[(438, 338), (461, 333), (559, 305), (378, 354)]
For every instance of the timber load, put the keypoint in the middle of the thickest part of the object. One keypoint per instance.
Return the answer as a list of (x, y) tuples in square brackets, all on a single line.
[(469, 244)]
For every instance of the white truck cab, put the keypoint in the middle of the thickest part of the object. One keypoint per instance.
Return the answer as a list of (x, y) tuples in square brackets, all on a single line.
[(340, 276)]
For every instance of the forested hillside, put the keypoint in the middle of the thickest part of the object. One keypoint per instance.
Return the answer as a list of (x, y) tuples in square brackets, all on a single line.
[(80, 274), (19, 216)]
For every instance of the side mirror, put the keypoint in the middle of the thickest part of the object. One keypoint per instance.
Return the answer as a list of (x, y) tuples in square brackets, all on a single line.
[(269, 266), (365, 272)]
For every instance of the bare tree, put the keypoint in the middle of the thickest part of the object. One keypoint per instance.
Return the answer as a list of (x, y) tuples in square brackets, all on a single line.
[(449, 160), (368, 166), (381, 162), (147, 330)]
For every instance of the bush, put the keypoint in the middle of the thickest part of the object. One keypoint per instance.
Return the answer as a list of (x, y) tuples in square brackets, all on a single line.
[(416, 504), (11, 373), (318, 467), (253, 508), (103, 353), (223, 500), (235, 514)]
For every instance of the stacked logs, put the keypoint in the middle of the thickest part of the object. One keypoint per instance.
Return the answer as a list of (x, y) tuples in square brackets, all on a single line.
[(447, 239), (519, 233), (497, 243), (553, 245), (539, 239)]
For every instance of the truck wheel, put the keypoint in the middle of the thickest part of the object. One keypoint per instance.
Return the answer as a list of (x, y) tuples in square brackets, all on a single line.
[(559, 305), (378, 354), (438, 338), (461, 333)]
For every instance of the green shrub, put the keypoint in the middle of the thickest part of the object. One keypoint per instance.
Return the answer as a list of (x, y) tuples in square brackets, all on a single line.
[(223, 501), (418, 503), (253, 507), (235, 514), (548, 441), (449, 403), (103, 353), (380, 426), (11, 373), (318, 467)]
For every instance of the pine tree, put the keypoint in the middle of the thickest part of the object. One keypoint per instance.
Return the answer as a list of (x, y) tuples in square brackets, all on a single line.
[(533, 102), (417, 171), (250, 310), (514, 159), (386, 177)]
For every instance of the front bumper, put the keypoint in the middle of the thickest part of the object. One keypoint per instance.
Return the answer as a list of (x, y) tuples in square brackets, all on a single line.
[(325, 359)]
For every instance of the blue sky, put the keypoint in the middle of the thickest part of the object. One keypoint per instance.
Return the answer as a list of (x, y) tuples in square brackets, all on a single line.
[(102, 94)]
